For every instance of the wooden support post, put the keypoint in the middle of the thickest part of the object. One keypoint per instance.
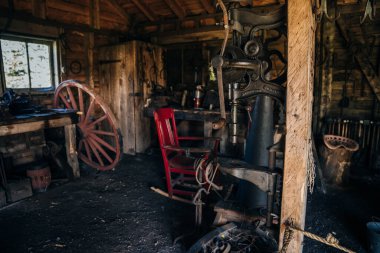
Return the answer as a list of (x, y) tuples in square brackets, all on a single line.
[(95, 14), (89, 51), (71, 150), (299, 101)]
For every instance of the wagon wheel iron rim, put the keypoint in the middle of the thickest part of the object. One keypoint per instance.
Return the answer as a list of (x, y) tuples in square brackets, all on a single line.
[(98, 136)]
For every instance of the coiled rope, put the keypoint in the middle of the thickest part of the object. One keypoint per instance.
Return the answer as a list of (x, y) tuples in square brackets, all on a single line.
[(329, 240)]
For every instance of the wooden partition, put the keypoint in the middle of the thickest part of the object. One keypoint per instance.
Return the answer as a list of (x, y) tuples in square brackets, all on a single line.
[(128, 73)]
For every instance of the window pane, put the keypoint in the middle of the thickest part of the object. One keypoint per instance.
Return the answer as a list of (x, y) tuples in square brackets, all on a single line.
[(40, 68), (15, 64)]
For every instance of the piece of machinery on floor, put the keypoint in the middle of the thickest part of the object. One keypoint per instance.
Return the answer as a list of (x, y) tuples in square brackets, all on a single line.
[(234, 237), (254, 71), (98, 134)]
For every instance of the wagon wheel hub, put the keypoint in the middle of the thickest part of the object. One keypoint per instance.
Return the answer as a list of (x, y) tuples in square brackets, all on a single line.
[(98, 136)]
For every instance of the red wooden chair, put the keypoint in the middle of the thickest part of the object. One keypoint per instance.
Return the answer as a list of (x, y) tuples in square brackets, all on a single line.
[(181, 162)]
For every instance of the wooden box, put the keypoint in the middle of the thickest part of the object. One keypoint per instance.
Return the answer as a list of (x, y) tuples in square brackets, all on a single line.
[(19, 189)]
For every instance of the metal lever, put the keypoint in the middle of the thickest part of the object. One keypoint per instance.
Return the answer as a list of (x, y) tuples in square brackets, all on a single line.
[(370, 11)]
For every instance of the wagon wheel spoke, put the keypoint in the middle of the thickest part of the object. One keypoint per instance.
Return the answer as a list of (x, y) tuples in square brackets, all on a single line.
[(87, 148), (98, 136), (100, 132), (64, 100), (72, 98), (89, 110), (101, 150), (97, 121), (96, 153), (101, 141)]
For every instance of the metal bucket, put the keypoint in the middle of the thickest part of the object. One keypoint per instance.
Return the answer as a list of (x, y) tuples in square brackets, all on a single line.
[(374, 236)]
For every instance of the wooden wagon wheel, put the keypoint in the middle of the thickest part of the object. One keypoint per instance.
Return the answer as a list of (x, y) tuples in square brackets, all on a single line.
[(98, 136)]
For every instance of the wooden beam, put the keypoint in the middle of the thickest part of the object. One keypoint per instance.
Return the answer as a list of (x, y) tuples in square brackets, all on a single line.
[(176, 8), (208, 6), (95, 14), (363, 61), (89, 49), (120, 10), (299, 102), (71, 150), (193, 35), (39, 8), (145, 9), (27, 17)]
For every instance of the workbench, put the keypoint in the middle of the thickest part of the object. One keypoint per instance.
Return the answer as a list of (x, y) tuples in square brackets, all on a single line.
[(205, 116), (51, 118)]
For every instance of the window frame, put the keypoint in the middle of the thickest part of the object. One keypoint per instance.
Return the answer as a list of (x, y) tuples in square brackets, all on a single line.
[(53, 62)]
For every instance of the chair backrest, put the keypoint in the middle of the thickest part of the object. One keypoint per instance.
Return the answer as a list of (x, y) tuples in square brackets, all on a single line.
[(166, 128)]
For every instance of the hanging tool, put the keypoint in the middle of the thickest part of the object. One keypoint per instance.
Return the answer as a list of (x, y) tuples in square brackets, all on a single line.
[(370, 11), (322, 11)]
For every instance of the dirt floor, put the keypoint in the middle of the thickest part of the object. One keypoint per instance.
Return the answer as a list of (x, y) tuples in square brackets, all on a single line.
[(116, 211), (111, 211), (343, 212)]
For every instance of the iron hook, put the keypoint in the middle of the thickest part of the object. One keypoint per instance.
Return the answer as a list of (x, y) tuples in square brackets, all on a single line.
[(370, 11), (322, 10)]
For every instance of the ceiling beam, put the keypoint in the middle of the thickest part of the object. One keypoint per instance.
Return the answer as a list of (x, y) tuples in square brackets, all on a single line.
[(29, 18), (145, 9), (208, 6), (176, 8), (120, 10)]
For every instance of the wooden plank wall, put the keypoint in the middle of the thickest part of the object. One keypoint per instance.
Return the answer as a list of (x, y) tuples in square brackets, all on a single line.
[(78, 45), (128, 74), (345, 73)]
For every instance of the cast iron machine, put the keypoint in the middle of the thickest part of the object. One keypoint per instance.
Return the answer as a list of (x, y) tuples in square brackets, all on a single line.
[(249, 68)]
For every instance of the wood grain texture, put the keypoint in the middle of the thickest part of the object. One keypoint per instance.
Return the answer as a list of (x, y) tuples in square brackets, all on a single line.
[(71, 149), (127, 75), (301, 33)]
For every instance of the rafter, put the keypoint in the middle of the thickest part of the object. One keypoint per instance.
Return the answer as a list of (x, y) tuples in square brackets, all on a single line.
[(208, 6), (176, 8), (120, 10), (145, 9)]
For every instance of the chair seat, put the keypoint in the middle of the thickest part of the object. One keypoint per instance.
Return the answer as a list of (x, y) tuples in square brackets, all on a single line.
[(180, 161)]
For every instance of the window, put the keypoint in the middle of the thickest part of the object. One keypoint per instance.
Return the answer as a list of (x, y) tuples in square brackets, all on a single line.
[(28, 63)]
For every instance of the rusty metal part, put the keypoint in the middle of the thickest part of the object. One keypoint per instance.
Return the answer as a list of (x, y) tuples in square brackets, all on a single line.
[(259, 176), (334, 142), (222, 121), (219, 74), (98, 135), (370, 11)]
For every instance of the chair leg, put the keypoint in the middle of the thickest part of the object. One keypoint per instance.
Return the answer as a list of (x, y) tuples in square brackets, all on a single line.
[(168, 180)]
